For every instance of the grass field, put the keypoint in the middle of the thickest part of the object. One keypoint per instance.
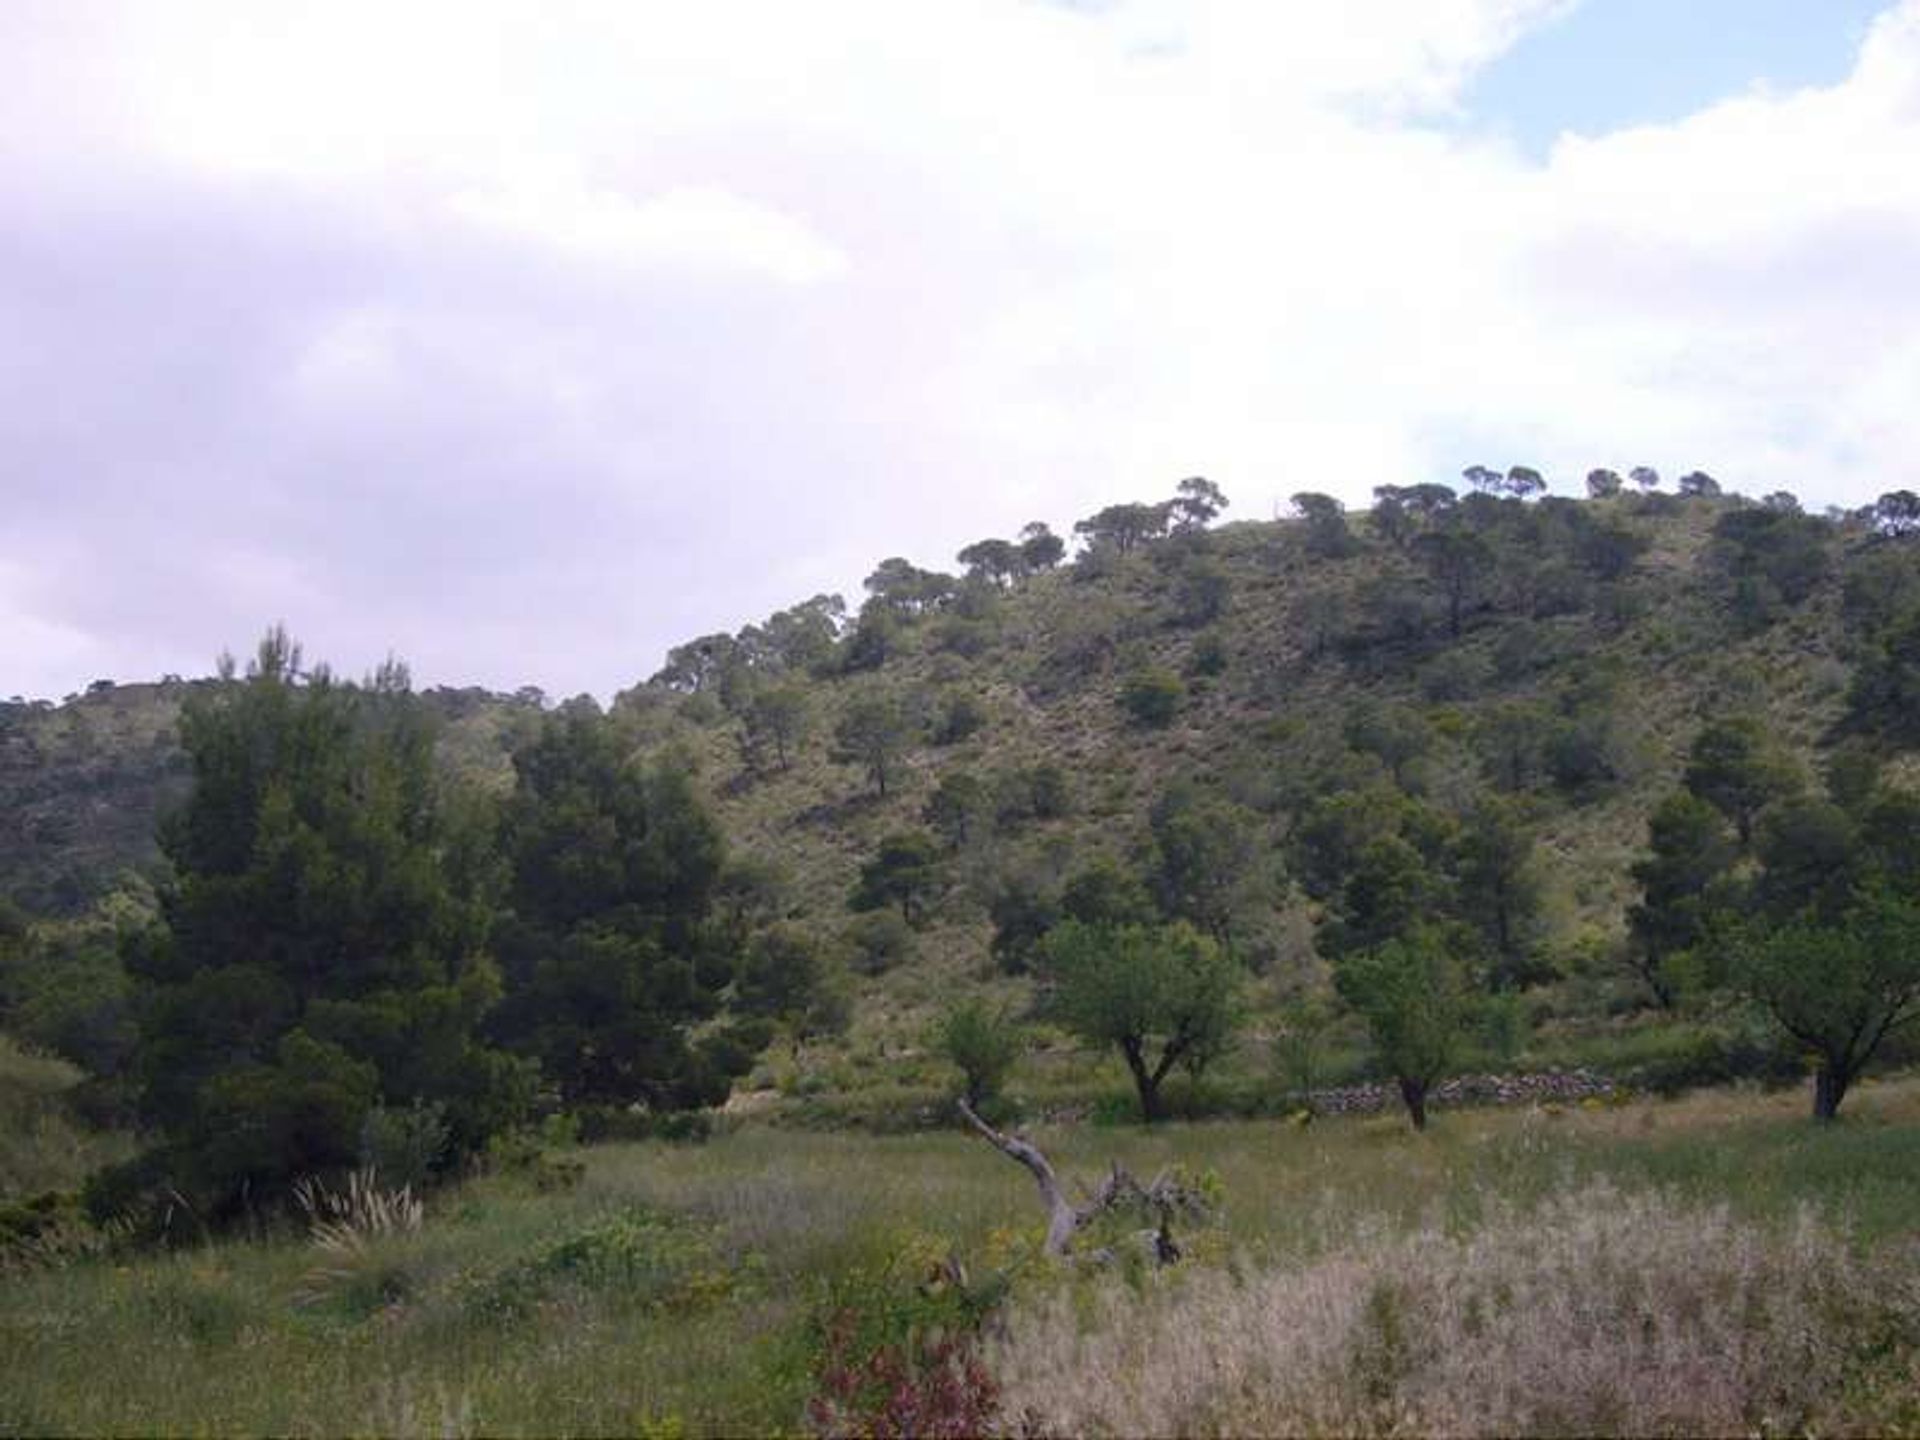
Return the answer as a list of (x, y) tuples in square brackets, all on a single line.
[(675, 1288)]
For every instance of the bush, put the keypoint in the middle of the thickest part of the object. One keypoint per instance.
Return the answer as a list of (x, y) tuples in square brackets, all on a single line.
[(983, 1044), (878, 941), (1152, 697), (406, 1147)]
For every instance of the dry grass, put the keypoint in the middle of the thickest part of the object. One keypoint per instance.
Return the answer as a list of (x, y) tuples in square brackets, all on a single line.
[(1601, 1311)]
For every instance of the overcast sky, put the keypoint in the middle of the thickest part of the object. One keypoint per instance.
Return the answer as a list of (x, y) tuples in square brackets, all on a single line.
[(526, 340)]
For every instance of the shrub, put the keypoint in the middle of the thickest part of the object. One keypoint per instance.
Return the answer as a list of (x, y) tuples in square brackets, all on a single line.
[(879, 940), (1152, 696), (983, 1044), (405, 1147)]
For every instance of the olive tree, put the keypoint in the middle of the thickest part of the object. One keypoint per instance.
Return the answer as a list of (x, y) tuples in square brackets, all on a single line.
[(1162, 995), (1838, 987), (1411, 992)]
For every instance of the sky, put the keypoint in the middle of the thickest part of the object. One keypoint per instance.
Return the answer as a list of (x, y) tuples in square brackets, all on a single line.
[(527, 340)]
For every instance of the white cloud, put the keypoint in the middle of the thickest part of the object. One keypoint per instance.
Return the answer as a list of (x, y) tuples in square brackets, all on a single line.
[(652, 310), (698, 228)]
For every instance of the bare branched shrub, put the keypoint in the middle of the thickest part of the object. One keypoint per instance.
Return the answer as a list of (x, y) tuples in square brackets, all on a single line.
[(1599, 1312)]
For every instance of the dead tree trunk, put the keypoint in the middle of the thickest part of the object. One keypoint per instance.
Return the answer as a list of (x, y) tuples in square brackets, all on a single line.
[(1063, 1220), (1162, 1198)]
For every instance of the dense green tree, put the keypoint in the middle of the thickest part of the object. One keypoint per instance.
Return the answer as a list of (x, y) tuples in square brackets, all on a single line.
[(1697, 484), (1645, 476), (904, 872), (874, 732), (1162, 996), (960, 810), (874, 639), (1766, 561), (1392, 520), (982, 1044), (1324, 521), (610, 967), (1197, 503), (1737, 766), (1124, 527), (785, 980), (1411, 992), (800, 638), (1107, 893), (1203, 851), (775, 716), (905, 591), (322, 942), (750, 893), (1690, 855), (1497, 886), (1604, 484), (705, 666), (1390, 888), (1838, 986), (1809, 852), (1023, 909), (1040, 548), (999, 562), (1459, 563), (1883, 700)]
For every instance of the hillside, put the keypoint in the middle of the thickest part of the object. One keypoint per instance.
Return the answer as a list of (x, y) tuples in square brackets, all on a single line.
[(1555, 658)]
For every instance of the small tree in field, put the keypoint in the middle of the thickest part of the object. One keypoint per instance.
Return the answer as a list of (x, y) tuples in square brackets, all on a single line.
[(1839, 989), (983, 1045), (1163, 996), (1412, 995)]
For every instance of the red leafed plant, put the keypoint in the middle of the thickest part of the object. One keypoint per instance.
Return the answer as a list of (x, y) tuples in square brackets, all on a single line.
[(935, 1387)]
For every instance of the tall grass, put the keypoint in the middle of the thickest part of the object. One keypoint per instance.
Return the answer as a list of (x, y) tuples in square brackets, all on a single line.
[(1597, 1312), (682, 1285)]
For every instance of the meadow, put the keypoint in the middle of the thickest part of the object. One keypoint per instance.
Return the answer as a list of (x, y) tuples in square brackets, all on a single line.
[(1699, 1264)]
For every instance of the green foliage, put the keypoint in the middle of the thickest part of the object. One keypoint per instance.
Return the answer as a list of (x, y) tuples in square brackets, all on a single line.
[(1884, 699), (879, 941), (983, 1044), (1201, 591), (1736, 766), (1837, 986), (321, 948), (1690, 855), (873, 732), (1766, 562), (1162, 996), (1497, 887), (1203, 851), (406, 1146), (1106, 893), (1411, 991), (1325, 533), (609, 966), (959, 717), (785, 978), (1152, 696), (960, 810), (904, 872)]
